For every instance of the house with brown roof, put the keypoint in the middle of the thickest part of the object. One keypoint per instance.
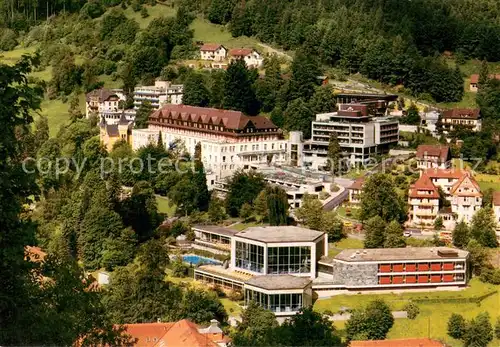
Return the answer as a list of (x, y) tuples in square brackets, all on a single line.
[(433, 157), (181, 333), (469, 118), (474, 81), (103, 100), (355, 191), (459, 188), (251, 57), (213, 52), (423, 199), (229, 139)]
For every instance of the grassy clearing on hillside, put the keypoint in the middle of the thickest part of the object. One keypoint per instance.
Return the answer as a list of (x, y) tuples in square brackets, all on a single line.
[(433, 318), (154, 12), (488, 181), (11, 57), (213, 33), (165, 206)]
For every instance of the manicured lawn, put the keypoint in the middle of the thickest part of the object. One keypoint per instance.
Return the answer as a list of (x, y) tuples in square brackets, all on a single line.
[(232, 308), (164, 206), (488, 181), (347, 243), (433, 318)]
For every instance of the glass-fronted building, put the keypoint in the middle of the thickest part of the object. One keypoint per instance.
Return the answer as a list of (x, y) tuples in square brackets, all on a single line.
[(278, 250), (282, 294)]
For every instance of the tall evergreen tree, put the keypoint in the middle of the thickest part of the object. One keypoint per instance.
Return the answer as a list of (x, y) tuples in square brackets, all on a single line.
[(298, 117), (239, 93), (460, 235), (305, 72), (195, 92), (323, 100), (375, 232), (394, 236), (277, 206), (483, 227), (267, 88)]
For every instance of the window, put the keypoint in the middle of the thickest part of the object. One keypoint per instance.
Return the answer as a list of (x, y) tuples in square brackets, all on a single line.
[(288, 260), (249, 257), (275, 302)]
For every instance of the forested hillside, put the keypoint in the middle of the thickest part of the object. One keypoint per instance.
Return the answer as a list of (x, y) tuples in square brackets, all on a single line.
[(393, 41)]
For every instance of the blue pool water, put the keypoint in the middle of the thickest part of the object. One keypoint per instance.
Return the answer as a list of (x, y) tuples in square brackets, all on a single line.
[(196, 259)]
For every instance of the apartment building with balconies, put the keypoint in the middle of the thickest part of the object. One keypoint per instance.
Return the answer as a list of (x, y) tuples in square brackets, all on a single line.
[(163, 92), (360, 135)]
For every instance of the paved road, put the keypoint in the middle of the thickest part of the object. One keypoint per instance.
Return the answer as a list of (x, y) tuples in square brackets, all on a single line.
[(344, 182)]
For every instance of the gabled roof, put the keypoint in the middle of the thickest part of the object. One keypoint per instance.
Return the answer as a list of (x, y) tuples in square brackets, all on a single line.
[(240, 52), (434, 151), (424, 183), (233, 120), (444, 173), (462, 113), (474, 78), (182, 333), (102, 93), (210, 47), (464, 180), (358, 184)]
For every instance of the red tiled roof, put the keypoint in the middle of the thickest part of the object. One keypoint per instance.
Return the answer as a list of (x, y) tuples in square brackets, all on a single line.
[(398, 343), (182, 333), (474, 78), (35, 254), (210, 47), (457, 184), (434, 151), (358, 184), (424, 183), (233, 120), (461, 113), (444, 173), (496, 198), (240, 52)]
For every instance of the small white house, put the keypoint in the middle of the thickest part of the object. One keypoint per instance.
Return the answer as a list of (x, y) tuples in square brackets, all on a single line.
[(214, 52), (251, 57)]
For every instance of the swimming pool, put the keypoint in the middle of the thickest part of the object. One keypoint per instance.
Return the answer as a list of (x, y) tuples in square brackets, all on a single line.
[(196, 259)]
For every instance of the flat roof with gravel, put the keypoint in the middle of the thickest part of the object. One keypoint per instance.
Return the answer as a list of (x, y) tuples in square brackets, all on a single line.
[(398, 254), (214, 229), (279, 282), (275, 234)]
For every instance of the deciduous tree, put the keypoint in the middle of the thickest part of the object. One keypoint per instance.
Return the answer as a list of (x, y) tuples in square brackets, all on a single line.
[(394, 235), (375, 232), (460, 235), (310, 213)]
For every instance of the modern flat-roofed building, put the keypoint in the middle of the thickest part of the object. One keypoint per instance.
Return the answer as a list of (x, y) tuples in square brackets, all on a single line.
[(213, 237), (395, 267), (278, 250), (273, 265), (282, 294), (163, 92), (360, 135)]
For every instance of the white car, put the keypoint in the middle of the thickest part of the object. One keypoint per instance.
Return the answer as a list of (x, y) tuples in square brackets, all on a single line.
[(407, 233)]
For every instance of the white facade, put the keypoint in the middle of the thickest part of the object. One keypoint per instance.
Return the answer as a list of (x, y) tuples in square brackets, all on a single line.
[(103, 101), (496, 208), (213, 53), (163, 92), (359, 137), (251, 57)]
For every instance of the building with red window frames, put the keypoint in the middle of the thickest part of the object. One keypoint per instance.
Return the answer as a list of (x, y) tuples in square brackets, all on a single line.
[(393, 267)]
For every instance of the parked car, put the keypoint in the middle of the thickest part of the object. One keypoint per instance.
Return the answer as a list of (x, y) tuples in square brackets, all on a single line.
[(407, 233)]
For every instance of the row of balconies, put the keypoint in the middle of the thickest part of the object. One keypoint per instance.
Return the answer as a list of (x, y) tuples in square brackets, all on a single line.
[(421, 279)]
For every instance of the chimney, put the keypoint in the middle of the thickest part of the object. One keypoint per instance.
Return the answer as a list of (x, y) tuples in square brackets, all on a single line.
[(158, 320), (214, 323)]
